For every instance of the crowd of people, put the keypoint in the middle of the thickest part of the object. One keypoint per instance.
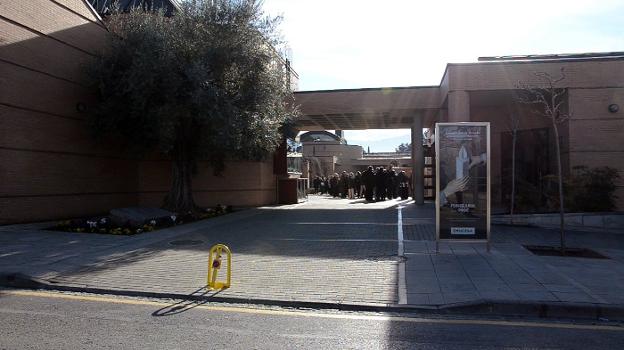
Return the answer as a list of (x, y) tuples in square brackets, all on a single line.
[(373, 184)]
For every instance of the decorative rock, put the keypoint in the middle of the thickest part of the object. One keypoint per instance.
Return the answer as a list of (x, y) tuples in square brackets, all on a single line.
[(137, 216)]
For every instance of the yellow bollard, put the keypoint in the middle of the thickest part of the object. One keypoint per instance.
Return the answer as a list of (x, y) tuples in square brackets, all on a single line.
[(214, 264)]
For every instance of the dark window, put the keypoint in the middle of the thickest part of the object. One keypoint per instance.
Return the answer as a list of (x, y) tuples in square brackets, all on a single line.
[(532, 169)]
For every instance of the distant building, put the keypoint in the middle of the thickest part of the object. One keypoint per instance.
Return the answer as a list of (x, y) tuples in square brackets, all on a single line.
[(329, 153)]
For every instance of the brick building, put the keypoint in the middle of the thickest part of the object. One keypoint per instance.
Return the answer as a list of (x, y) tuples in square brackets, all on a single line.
[(487, 91), (51, 168)]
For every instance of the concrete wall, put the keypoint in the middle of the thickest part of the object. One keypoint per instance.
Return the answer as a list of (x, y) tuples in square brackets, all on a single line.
[(603, 222), (50, 167), (322, 149)]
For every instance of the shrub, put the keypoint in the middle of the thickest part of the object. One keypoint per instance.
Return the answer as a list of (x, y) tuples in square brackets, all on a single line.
[(591, 190)]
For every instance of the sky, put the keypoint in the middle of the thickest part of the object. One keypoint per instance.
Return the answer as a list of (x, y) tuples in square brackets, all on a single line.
[(344, 44)]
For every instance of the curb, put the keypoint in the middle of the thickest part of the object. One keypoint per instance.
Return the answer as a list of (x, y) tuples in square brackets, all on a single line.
[(581, 311)]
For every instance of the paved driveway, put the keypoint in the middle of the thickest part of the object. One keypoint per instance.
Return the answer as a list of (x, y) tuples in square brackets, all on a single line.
[(326, 250)]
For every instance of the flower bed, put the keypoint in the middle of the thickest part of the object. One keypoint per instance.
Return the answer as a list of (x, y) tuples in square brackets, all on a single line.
[(111, 225)]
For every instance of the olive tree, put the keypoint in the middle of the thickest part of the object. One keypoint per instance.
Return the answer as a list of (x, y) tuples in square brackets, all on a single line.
[(204, 84)]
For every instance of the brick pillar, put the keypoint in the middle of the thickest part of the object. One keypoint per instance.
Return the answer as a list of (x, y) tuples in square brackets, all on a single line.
[(458, 106), (280, 162), (418, 161)]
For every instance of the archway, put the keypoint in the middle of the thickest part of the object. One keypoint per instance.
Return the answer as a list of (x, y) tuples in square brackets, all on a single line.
[(413, 108)]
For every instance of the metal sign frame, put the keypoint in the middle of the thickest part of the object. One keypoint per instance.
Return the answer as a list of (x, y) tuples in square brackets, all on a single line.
[(489, 182)]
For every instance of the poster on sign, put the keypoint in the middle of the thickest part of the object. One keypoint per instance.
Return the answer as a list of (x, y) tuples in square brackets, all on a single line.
[(463, 181)]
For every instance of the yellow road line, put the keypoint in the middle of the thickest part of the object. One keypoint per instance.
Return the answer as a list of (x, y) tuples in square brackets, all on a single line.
[(45, 294)]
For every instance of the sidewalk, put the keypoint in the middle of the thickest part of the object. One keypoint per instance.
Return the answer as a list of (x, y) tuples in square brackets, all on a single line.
[(465, 272), (313, 253)]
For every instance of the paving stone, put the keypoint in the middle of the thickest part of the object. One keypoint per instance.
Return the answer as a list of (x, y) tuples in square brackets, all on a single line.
[(425, 298), (562, 288), (527, 287), (460, 297), (537, 296), (577, 297), (498, 295), (326, 251)]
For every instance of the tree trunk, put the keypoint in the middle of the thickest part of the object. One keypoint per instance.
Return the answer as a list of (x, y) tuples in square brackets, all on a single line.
[(513, 173), (180, 196), (560, 183)]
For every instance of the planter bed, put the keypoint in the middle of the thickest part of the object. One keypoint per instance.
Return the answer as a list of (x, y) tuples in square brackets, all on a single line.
[(109, 224)]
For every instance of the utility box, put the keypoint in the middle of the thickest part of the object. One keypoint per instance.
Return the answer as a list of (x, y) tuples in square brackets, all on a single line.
[(292, 190)]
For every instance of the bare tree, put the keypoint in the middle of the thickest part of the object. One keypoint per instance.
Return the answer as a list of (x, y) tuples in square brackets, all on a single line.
[(514, 125), (548, 100)]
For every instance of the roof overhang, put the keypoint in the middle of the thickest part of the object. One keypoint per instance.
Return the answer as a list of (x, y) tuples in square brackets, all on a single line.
[(375, 108)]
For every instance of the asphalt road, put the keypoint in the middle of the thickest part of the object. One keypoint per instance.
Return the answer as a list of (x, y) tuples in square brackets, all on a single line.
[(46, 320)]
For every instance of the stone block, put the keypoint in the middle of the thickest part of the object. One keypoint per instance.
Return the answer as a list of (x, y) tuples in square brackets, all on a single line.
[(138, 215), (593, 221), (574, 219), (614, 221)]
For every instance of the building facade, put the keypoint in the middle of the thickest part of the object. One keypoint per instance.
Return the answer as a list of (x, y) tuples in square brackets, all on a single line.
[(329, 153), (50, 167), (488, 90)]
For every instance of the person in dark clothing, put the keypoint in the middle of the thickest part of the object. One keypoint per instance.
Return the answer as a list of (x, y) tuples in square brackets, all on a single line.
[(316, 183), (344, 184), (358, 184), (368, 180), (333, 185), (351, 185), (391, 183), (403, 183), (380, 184)]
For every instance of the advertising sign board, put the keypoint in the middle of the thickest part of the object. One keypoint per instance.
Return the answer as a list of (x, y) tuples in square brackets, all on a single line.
[(463, 181)]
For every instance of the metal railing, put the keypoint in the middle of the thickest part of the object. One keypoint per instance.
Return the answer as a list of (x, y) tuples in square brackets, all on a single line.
[(302, 189)]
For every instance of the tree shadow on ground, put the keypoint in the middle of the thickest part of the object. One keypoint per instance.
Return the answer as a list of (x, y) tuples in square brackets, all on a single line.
[(324, 234)]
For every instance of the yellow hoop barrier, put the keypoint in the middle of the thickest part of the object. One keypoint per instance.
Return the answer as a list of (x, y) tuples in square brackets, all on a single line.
[(214, 264)]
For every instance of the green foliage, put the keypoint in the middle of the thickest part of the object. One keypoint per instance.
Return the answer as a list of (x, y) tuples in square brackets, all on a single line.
[(529, 199), (586, 190), (404, 148), (205, 83), (591, 190)]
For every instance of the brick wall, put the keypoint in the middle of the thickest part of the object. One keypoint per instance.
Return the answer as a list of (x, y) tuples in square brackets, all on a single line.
[(240, 184), (50, 168), (597, 135)]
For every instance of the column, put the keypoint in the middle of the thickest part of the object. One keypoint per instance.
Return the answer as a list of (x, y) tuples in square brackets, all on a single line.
[(443, 116), (458, 106), (418, 161)]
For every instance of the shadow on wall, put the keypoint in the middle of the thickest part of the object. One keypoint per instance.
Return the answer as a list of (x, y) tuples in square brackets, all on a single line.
[(52, 166)]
